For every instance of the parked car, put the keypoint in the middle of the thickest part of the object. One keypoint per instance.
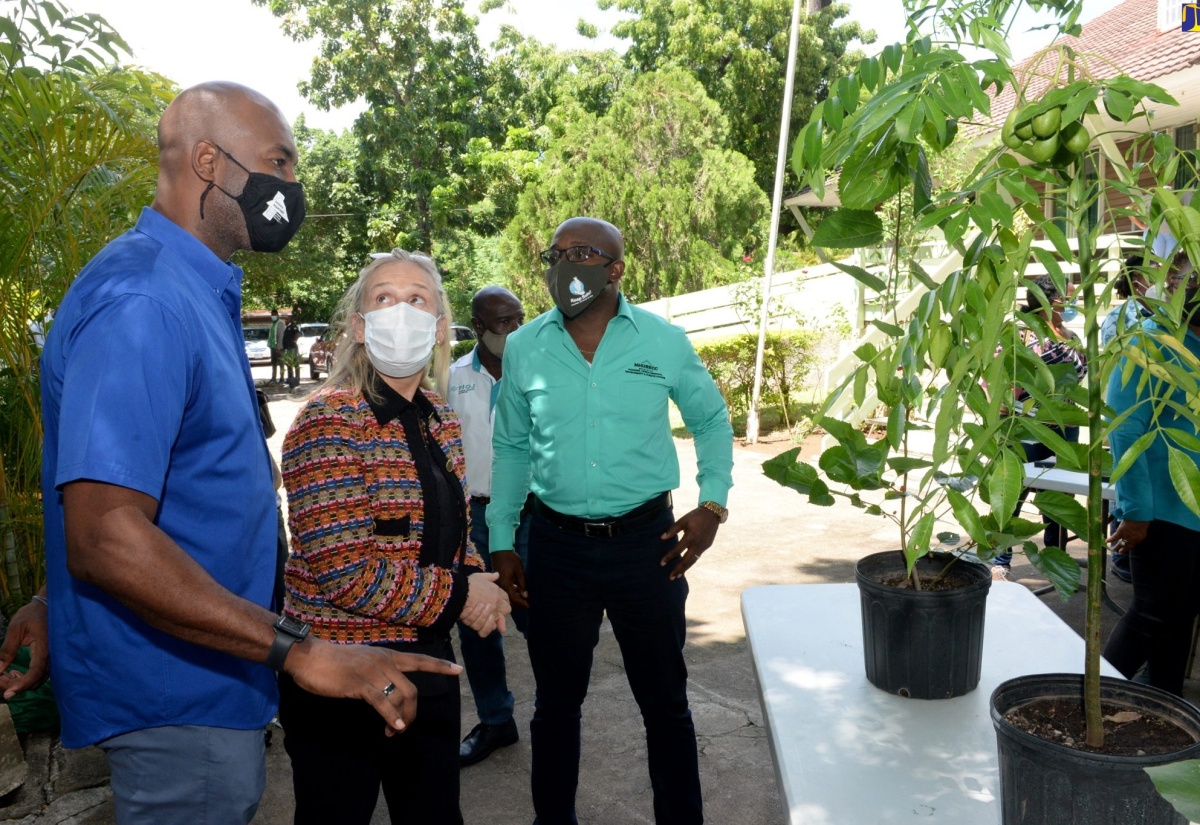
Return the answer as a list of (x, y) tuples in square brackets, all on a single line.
[(462, 333), (257, 350), (309, 335), (320, 355)]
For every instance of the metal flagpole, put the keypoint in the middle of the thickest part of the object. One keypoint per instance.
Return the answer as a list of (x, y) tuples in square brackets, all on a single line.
[(776, 206)]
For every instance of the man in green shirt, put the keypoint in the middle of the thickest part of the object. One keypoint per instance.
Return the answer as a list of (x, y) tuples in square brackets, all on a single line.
[(582, 422)]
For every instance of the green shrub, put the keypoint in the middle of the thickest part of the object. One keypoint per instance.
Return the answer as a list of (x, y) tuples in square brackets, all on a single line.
[(790, 369)]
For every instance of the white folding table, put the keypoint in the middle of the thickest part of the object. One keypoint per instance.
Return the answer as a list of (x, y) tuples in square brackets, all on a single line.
[(847, 753)]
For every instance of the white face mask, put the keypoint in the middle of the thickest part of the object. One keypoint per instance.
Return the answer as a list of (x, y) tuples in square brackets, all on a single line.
[(399, 339), (494, 341)]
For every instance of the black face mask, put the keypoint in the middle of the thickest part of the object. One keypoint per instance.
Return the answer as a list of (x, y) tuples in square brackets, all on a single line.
[(273, 209), (573, 287)]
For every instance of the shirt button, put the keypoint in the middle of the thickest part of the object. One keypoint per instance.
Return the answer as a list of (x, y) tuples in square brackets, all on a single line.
[(593, 464), (593, 423), (593, 383)]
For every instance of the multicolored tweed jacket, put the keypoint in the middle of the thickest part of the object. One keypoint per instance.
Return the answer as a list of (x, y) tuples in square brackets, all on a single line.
[(357, 517)]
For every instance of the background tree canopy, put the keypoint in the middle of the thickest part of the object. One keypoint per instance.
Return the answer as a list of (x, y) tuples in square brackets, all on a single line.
[(475, 154), (657, 166)]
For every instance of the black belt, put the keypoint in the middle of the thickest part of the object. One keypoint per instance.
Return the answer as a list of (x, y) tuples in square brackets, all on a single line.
[(484, 500), (606, 528)]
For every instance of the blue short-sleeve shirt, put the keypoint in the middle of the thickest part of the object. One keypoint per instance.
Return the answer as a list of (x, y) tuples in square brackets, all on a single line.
[(145, 385)]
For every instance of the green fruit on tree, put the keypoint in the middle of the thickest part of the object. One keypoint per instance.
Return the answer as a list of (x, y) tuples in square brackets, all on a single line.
[(1064, 157), (1008, 132), (1074, 137), (1023, 126), (1047, 123), (1041, 151)]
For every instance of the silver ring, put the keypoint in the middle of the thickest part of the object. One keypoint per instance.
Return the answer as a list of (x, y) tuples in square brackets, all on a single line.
[(1119, 543), (388, 689)]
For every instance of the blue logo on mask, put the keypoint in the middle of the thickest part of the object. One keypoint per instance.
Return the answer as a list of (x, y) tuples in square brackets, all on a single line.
[(577, 287)]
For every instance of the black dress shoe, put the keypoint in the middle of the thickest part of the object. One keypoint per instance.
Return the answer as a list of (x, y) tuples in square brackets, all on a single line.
[(484, 739)]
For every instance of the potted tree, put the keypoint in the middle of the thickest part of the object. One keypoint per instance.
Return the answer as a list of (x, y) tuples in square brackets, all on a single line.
[(952, 365)]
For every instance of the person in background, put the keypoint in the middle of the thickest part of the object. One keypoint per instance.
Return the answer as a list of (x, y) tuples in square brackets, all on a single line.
[(1159, 532), (375, 473), (156, 482), (291, 347), (275, 344), (1130, 285), (474, 387), (583, 421), (1061, 346)]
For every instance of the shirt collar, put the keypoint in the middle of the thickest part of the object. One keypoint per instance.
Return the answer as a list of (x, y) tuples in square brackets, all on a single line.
[(218, 274), (392, 404), (555, 317)]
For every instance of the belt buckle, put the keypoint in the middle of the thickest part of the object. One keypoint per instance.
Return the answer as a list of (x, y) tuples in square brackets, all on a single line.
[(603, 529)]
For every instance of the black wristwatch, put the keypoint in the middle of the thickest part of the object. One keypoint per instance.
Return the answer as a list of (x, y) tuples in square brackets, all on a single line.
[(288, 631)]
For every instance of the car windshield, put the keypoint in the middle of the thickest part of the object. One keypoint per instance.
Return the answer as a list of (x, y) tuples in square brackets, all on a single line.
[(312, 330), (256, 333)]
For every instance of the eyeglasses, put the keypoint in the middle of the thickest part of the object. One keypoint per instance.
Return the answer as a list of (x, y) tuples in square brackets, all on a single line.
[(574, 254)]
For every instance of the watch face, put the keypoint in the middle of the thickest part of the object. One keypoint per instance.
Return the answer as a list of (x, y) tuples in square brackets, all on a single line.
[(293, 627)]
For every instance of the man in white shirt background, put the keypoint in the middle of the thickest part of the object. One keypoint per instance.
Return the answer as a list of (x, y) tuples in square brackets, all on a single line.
[(474, 387)]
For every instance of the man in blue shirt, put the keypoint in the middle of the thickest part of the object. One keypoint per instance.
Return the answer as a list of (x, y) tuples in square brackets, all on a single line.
[(159, 506), (582, 421)]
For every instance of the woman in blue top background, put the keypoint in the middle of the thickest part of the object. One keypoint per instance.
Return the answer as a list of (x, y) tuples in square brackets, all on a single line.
[(1158, 530)]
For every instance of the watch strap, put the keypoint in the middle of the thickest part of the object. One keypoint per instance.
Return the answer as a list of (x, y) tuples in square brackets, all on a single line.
[(720, 512), (287, 633)]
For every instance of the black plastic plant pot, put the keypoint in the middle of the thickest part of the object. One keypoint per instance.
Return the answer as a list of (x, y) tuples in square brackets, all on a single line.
[(1046, 783), (922, 644)]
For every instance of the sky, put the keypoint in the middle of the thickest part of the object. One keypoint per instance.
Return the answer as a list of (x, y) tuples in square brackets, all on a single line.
[(236, 40)]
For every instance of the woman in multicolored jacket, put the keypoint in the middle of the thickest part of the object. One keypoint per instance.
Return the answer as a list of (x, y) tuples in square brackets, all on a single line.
[(374, 469)]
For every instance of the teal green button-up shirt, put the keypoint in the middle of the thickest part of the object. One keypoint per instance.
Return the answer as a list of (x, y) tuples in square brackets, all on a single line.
[(595, 440)]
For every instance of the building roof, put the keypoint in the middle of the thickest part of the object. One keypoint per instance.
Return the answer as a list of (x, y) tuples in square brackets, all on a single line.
[(1123, 39)]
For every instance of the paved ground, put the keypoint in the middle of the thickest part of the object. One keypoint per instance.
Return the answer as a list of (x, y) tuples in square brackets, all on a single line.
[(772, 537)]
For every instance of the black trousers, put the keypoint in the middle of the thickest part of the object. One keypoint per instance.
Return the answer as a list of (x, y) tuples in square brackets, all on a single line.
[(341, 757), (1157, 629)]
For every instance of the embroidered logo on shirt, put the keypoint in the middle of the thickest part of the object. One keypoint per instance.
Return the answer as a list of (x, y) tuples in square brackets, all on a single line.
[(645, 368), (276, 209)]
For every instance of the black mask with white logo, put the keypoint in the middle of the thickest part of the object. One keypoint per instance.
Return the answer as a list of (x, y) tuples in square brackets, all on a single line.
[(273, 209), (573, 287)]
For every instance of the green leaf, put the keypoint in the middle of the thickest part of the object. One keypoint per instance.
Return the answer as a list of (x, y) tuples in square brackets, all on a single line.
[(1006, 483), (1179, 783), (897, 421), (786, 470), (1185, 475), (994, 42), (1056, 565), (1063, 509), (849, 229), (968, 518), (858, 469), (890, 329), (918, 542), (864, 277), (1131, 454), (871, 174), (1118, 104), (904, 464)]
